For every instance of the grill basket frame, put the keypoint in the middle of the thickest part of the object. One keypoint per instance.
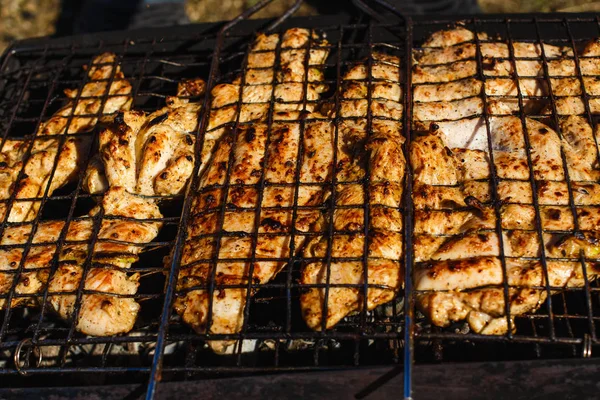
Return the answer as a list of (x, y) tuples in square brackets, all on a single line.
[(34, 71)]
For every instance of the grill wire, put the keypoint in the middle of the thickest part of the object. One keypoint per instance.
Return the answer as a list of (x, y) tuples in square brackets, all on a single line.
[(273, 338), (565, 324)]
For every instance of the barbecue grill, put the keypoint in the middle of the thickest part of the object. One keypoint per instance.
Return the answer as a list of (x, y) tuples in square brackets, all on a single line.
[(38, 349)]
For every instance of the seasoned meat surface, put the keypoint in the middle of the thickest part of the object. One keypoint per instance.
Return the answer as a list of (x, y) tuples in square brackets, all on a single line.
[(457, 245), (149, 154), (136, 150), (120, 239), (245, 151), (105, 310), (283, 174), (142, 155), (36, 166), (383, 164)]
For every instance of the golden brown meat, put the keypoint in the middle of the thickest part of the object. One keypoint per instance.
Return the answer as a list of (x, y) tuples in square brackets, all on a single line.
[(120, 239), (49, 150), (140, 156), (383, 164), (105, 308), (580, 148), (451, 37), (33, 278), (261, 82), (455, 242), (254, 152), (35, 158), (484, 309), (458, 272), (149, 154)]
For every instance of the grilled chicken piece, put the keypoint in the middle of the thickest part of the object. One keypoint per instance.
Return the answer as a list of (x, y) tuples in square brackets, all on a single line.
[(457, 63), (454, 110), (120, 239), (451, 37), (508, 144), (256, 87), (105, 308), (273, 251), (35, 269), (456, 244), (90, 101), (133, 140), (517, 243), (386, 163), (446, 90), (252, 153), (446, 222), (580, 149), (150, 154), (484, 309), (433, 163), (458, 262), (37, 158), (27, 166), (142, 155), (449, 53), (432, 197), (444, 73), (463, 275)]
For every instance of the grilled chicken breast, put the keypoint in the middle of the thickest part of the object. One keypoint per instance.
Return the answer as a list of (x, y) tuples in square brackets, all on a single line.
[(149, 154), (107, 306), (270, 160), (33, 278), (458, 251), (140, 155), (448, 92), (36, 166), (103, 310), (382, 166), (456, 245), (245, 150)]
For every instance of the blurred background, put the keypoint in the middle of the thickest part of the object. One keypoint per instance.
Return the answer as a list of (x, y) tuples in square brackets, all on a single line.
[(21, 19)]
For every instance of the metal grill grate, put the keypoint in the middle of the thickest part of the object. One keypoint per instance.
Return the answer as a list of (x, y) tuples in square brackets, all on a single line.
[(274, 334), (565, 324), (274, 338)]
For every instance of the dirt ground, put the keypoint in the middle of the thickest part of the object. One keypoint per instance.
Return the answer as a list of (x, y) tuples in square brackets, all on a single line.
[(28, 18)]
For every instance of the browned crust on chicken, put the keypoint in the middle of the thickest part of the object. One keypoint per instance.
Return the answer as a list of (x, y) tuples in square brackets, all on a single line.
[(384, 161), (139, 156), (103, 310), (33, 161), (459, 272), (107, 306), (254, 152), (149, 154)]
